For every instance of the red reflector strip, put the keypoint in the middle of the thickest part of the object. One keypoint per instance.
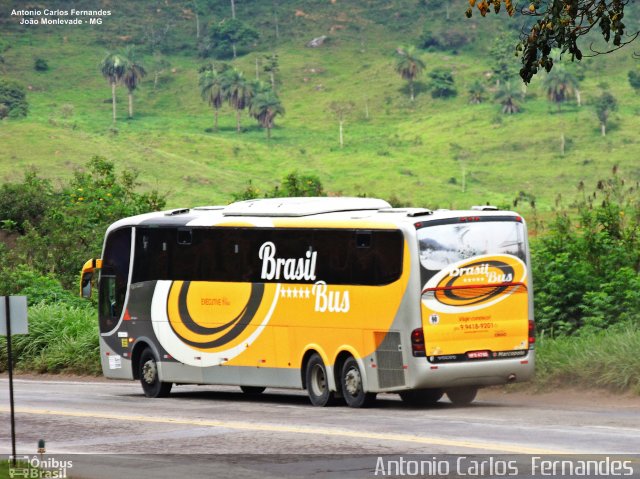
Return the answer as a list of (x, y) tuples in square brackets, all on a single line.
[(524, 361), (434, 367)]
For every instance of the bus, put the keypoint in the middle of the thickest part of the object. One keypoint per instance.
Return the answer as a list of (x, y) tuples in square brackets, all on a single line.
[(342, 297)]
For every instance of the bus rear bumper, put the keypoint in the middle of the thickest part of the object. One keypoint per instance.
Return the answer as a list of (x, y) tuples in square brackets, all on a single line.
[(480, 373)]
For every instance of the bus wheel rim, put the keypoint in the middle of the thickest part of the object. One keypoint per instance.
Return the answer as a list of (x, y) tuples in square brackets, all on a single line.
[(149, 372), (319, 381), (353, 381)]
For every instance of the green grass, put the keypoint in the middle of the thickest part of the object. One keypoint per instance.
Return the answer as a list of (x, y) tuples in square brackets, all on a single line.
[(605, 360), (413, 151), (61, 338)]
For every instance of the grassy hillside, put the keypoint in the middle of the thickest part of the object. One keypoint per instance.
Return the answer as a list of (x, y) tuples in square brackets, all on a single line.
[(417, 152)]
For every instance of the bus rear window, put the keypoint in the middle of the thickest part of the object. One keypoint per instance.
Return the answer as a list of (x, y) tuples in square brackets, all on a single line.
[(445, 244)]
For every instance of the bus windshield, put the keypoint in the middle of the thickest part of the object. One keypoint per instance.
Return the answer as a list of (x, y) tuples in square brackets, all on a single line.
[(445, 244)]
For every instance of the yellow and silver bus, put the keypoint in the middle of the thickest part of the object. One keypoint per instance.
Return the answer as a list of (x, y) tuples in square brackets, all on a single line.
[(343, 297)]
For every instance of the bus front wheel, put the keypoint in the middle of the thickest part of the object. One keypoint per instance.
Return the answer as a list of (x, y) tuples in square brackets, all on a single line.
[(317, 382), (352, 385), (462, 396), (149, 378)]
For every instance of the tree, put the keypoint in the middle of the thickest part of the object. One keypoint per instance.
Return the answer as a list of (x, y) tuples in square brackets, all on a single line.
[(211, 90), (442, 83), (560, 84), (408, 66), (605, 105), (237, 91), (272, 67), (634, 80), (160, 64), (476, 92), (13, 99), (196, 13), (561, 24), (341, 111), (508, 95), (134, 72), (504, 65), (113, 67), (60, 227), (265, 106), (228, 35)]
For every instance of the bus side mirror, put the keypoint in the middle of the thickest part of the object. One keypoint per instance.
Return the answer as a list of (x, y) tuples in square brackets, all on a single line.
[(87, 275), (85, 284)]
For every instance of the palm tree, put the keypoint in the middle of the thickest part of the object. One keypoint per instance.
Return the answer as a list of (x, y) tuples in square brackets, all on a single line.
[(113, 67), (237, 91), (508, 94), (211, 90), (134, 72), (476, 92), (408, 65), (264, 108), (560, 85)]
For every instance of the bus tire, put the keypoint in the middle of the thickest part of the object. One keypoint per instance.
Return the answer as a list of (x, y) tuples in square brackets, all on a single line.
[(152, 386), (352, 385), (421, 397), (317, 382), (252, 390), (462, 396)]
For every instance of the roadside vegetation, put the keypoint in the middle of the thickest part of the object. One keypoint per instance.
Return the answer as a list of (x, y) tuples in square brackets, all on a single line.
[(586, 262), (399, 100)]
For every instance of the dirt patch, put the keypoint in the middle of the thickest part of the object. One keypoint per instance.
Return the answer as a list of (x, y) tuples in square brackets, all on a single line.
[(569, 397)]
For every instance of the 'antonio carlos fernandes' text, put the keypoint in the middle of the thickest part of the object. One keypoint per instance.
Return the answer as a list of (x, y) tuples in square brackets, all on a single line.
[(495, 467)]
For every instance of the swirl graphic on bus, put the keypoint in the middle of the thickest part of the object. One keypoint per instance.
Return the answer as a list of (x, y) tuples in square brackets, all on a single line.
[(209, 317), (475, 283)]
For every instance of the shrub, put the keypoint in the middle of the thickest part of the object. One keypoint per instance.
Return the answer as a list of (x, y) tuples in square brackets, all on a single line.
[(294, 184), (40, 65), (61, 228), (442, 83), (14, 98), (587, 274)]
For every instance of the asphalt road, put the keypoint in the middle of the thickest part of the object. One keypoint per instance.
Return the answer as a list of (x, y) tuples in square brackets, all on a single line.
[(109, 428)]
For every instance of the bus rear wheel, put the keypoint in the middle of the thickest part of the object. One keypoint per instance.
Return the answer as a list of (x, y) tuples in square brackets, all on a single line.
[(317, 382), (462, 396), (352, 385), (152, 386), (252, 390), (421, 397)]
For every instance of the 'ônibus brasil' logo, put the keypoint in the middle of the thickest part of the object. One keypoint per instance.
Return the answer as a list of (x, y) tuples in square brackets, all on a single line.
[(475, 283)]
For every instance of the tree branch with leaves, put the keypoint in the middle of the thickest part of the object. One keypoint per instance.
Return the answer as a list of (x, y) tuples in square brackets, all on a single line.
[(561, 24)]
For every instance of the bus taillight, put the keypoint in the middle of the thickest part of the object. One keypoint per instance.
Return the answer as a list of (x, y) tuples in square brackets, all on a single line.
[(532, 332), (417, 343)]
